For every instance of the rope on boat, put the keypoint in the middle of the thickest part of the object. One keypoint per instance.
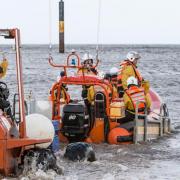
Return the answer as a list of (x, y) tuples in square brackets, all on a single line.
[(98, 29), (50, 30)]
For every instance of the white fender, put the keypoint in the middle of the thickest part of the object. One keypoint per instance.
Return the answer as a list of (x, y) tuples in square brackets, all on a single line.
[(39, 127)]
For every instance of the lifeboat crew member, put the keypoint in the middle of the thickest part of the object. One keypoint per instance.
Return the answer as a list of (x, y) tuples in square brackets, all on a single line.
[(4, 103), (113, 79), (64, 96), (88, 97), (107, 79), (92, 69), (128, 68), (3, 67), (87, 65), (4, 91), (131, 96)]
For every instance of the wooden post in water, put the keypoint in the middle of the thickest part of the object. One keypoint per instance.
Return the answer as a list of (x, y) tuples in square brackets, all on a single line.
[(61, 26)]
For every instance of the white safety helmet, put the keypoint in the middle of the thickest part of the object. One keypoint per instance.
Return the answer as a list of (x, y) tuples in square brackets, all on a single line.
[(132, 55), (132, 80), (114, 71), (87, 56)]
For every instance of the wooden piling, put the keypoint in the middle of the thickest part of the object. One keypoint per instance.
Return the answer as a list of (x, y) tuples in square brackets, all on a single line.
[(61, 26)]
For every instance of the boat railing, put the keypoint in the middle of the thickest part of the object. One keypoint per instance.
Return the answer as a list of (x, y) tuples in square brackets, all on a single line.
[(146, 129), (73, 61), (166, 121)]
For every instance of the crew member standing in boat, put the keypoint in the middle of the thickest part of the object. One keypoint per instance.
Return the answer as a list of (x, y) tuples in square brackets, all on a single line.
[(128, 68), (87, 65), (91, 68)]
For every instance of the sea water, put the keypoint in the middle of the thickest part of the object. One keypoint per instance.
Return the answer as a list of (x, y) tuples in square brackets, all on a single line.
[(160, 64)]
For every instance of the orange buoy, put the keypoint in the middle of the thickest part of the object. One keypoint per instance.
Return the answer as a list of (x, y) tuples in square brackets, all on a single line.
[(119, 135)]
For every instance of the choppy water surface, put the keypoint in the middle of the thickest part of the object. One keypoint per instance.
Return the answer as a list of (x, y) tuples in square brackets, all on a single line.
[(154, 160)]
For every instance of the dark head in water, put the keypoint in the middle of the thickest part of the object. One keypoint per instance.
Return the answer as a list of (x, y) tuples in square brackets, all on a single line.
[(80, 151)]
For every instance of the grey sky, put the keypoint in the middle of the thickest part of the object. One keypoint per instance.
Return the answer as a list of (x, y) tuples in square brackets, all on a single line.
[(122, 21)]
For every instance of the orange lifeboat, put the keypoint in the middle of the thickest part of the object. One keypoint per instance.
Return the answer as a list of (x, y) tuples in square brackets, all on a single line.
[(97, 122)]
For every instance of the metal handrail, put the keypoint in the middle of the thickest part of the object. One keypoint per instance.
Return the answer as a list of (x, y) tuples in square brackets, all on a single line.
[(135, 122), (161, 121)]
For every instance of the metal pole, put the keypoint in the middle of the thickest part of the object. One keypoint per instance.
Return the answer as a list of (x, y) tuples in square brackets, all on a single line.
[(20, 84), (145, 125), (135, 133), (161, 121), (61, 26)]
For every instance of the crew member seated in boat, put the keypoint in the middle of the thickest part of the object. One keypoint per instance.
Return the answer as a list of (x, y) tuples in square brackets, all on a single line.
[(3, 67), (87, 65), (128, 68), (132, 96)]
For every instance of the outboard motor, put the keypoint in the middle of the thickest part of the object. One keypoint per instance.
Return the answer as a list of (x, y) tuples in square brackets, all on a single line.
[(75, 122)]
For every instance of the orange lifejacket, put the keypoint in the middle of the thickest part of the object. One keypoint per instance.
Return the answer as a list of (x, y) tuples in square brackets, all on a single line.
[(123, 65), (136, 94)]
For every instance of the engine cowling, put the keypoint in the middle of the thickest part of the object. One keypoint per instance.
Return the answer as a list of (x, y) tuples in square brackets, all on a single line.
[(75, 122)]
